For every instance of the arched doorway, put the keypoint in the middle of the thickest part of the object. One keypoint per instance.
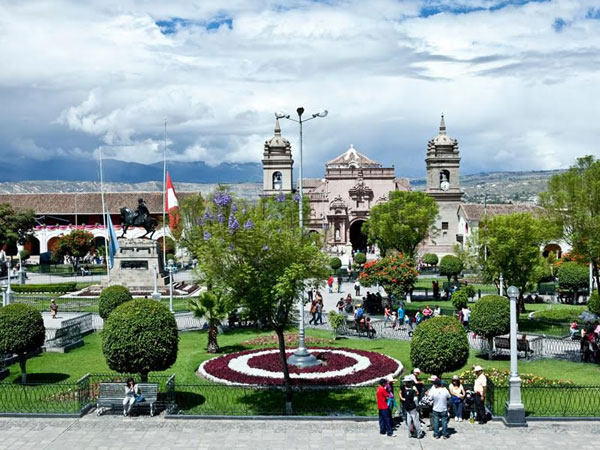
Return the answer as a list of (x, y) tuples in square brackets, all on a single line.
[(554, 248), (357, 238), (32, 245)]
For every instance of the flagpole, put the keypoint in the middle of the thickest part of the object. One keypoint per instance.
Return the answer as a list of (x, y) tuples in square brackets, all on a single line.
[(164, 199), (104, 216)]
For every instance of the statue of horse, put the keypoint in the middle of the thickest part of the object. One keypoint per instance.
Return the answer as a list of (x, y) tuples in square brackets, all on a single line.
[(132, 218)]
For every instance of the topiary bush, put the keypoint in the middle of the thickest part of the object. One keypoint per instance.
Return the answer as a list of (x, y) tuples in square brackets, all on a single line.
[(451, 266), (336, 320), (360, 258), (470, 290), (459, 299), (594, 303), (572, 276), (110, 298), (335, 263), (431, 259), (490, 318), (21, 331), (140, 336), (439, 345)]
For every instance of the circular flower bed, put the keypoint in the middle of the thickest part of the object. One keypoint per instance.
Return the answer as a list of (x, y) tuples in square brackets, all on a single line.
[(340, 367)]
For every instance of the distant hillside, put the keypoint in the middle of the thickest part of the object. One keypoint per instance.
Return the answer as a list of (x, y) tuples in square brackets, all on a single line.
[(500, 187)]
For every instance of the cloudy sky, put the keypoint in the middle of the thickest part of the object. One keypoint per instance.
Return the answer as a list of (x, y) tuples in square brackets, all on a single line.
[(517, 80)]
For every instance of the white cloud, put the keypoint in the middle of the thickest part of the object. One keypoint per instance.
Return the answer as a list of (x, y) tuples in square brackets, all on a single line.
[(517, 93)]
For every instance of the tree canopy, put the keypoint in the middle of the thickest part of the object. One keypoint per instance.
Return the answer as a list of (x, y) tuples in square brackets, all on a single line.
[(513, 243), (572, 201), (396, 273), (451, 266), (75, 244), (490, 318), (402, 222), (15, 225)]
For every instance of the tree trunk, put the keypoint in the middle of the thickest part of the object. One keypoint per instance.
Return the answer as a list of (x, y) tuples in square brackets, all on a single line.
[(144, 377), (490, 348), (22, 364), (286, 372), (213, 346)]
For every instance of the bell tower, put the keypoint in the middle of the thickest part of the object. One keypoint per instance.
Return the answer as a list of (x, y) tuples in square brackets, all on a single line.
[(278, 164), (443, 184)]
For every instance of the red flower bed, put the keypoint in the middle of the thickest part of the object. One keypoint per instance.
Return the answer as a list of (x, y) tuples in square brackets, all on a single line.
[(330, 361), (217, 369)]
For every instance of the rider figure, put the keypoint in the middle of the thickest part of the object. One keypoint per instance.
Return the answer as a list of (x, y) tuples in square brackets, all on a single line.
[(141, 212)]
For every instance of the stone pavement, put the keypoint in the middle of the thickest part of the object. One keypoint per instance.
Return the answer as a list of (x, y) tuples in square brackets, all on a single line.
[(116, 433)]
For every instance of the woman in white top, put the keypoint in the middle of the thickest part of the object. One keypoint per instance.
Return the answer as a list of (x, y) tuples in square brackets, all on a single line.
[(131, 392)]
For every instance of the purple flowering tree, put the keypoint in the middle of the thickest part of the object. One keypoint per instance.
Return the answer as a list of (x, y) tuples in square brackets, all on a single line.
[(262, 265)]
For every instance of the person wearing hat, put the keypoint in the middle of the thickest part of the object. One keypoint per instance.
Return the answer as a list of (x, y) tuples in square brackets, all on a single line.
[(385, 416), (480, 388), (440, 396), (417, 382), (408, 396), (457, 391)]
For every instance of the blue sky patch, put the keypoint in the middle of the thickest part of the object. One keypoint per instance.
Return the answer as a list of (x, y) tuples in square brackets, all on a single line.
[(559, 24), (593, 13), (171, 25), (433, 7)]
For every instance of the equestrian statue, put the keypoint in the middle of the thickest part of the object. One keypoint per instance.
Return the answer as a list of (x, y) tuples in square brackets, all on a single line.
[(139, 218)]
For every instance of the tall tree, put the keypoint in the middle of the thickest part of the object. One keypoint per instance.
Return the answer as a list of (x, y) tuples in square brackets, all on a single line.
[(257, 258), (573, 202), (15, 225), (513, 243), (402, 222)]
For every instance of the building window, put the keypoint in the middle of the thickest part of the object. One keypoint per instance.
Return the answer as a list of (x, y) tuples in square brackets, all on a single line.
[(444, 225), (277, 181)]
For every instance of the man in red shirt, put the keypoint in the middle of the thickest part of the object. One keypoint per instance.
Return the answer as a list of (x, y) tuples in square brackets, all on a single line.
[(385, 414)]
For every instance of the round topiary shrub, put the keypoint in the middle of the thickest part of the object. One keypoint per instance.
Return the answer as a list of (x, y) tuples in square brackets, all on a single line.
[(21, 331), (451, 266), (439, 345), (594, 303), (360, 258), (459, 299), (490, 317), (470, 290), (431, 259), (572, 276), (140, 336), (335, 263), (111, 297)]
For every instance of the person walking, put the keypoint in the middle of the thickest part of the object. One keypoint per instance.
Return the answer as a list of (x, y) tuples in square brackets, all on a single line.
[(385, 416), (357, 288), (53, 308), (466, 316), (480, 388), (457, 392), (400, 315), (408, 396), (330, 283), (339, 281), (319, 309), (440, 396), (313, 312), (387, 314)]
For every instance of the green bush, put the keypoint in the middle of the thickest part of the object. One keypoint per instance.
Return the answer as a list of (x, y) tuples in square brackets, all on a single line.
[(566, 315), (470, 290), (451, 266), (490, 317), (140, 336), (360, 258), (335, 263), (21, 331), (41, 288), (111, 297), (24, 254), (431, 259), (336, 320), (439, 345), (572, 276), (459, 299), (594, 303)]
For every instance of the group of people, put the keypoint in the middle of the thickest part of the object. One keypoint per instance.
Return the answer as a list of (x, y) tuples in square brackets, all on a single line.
[(413, 400), (589, 335), (401, 317)]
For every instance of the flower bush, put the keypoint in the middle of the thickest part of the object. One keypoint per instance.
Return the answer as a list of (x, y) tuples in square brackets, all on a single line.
[(397, 274), (500, 378), (342, 367)]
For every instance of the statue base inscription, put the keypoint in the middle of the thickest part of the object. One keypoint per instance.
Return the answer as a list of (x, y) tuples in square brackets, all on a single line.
[(134, 264)]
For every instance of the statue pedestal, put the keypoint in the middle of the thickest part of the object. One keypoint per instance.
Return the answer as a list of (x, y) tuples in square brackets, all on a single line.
[(134, 264)]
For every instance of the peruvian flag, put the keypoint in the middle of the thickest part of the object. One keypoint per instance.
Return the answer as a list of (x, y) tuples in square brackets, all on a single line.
[(172, 206)]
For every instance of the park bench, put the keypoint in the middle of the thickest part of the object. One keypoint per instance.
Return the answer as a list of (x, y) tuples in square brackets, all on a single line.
[(112, 394), (502, 342)]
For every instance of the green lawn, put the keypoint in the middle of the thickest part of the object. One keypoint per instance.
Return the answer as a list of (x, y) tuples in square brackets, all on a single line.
[(199, 396)]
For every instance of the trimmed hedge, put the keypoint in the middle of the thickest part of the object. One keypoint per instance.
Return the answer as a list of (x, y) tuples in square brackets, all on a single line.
[(451, 266), (140, 336), (431, 259), (360, 258), (572, 276), (335, 263), (21, 331), (491, 317), (439, 345), (110, 298), (460, 298), (41, 288), (567, 315)]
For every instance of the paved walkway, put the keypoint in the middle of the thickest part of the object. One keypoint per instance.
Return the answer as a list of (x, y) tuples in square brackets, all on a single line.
[(114, 433)]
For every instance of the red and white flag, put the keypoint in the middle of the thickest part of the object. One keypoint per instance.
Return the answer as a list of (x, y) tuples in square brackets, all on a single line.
[(172, 206)]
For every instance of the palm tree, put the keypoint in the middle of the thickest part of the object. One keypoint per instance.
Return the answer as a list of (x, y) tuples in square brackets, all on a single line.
[(212, 308)]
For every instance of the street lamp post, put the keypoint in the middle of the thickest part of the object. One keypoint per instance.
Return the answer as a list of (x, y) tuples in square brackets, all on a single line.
[(155, 295), (515, 411), (301, 357), (171, 267), (501, 282), (3, 287), (8, 289)]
